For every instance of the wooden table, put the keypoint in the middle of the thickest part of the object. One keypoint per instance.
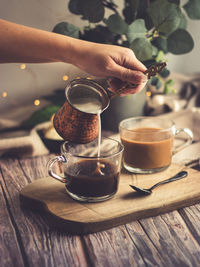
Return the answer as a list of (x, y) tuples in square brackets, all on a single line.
[(171, 239)]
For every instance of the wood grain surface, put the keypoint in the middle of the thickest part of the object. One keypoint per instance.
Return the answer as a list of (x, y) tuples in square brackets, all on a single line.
[(64, 213), (171, 239)]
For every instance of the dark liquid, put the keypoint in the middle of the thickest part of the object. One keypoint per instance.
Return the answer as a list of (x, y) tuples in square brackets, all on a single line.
[(92, 178), (147, 148)]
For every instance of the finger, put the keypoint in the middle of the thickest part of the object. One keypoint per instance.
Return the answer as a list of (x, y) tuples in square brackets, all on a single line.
[(131, 62), (128, 75), (117, 84), (132, 90), (133, 76)]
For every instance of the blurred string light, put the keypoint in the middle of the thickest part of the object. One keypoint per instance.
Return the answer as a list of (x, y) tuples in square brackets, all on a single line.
[(23, 66), (148, 93), (4, 94), (65, 77), (36, 102)]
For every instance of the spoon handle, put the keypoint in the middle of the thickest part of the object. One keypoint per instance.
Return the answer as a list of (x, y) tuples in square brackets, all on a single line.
[(178, 176)]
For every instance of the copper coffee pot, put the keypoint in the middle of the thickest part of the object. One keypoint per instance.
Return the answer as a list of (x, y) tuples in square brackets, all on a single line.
[(73, 124), (80, 126)]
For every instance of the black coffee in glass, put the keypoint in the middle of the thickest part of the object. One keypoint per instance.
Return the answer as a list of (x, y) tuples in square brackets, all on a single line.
[(92, 178)]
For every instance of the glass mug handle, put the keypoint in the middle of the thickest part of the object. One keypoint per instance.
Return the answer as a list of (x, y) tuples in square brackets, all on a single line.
[(189, 134), (50, 168)]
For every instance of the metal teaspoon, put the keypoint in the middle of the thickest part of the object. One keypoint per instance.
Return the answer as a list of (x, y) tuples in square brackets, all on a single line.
[(143, 191)]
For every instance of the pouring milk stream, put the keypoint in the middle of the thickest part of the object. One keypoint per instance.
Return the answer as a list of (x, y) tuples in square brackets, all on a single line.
[(93, 106)]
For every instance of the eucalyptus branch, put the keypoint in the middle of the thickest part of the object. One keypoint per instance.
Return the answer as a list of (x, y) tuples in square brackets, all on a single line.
[(164, 14), (110, 5), (152, 34)]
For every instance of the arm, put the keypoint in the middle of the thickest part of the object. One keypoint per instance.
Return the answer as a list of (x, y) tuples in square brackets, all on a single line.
[(25, 44)]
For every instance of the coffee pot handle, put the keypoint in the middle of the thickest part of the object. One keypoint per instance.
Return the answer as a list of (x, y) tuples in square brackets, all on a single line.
[(50, 168), (189, 134), (119, 91)]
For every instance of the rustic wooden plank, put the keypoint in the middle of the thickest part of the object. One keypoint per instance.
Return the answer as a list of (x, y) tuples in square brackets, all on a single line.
[(123, 246), (184, 239), (112, 248), (141, 250), (146, 248), (98, 246), (172, 239), (160, 241), (191, 216), (43, 247), (10, 250), (35, 168)]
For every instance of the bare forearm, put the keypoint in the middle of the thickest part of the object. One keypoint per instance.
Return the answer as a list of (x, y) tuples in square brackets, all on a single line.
[(19, 43)]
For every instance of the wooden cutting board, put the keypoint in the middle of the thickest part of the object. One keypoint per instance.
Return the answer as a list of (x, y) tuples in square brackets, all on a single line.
[(49, 196)]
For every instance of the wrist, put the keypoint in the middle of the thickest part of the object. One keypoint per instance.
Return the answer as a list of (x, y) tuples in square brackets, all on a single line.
[(72, 50)]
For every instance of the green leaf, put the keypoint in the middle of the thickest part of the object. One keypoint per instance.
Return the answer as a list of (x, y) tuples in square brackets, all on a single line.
[(156, 82), (192, 8), (161, 43), (154, 51), (93, 10), (170, 82), (149, 63), (136, 29), (165, 16), (175, 1), (57, 97), (167, 89), (180, 42), (75, 7), (142, 48), (40, 116), (142, 7), (66, 28), (99, 34), (183, 22), (130, 10), (160, 56), (164, 73), (116, 24), (159, 84)]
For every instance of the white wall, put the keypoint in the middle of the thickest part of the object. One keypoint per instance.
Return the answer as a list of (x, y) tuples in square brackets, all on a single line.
[(190, 62), (23, 86)]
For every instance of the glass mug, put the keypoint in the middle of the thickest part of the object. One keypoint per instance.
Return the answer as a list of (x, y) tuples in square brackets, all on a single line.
[(90, 175), (148, 143)]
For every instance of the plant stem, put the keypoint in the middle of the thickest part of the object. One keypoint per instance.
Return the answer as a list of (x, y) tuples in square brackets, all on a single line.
[(152, 34), (110, 5), (148, 3)]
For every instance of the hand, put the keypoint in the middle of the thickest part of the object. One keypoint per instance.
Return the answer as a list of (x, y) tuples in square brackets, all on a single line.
[(118, 64)]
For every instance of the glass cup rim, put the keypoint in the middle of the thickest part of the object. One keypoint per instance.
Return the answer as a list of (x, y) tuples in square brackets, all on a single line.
[(121, 148), (172, 127)]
